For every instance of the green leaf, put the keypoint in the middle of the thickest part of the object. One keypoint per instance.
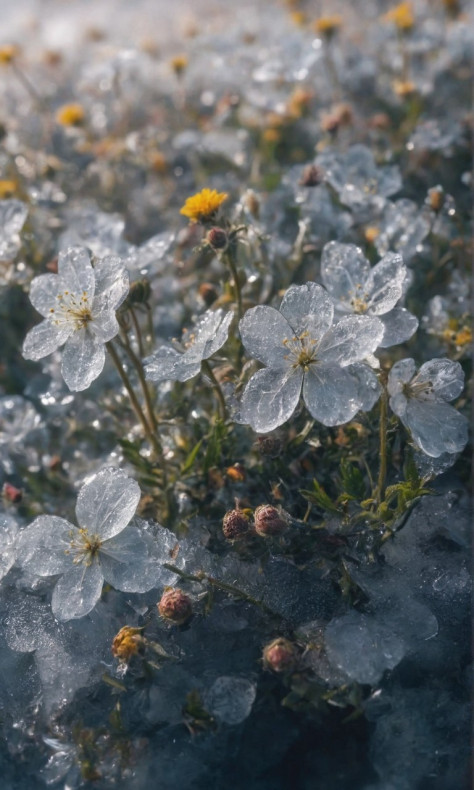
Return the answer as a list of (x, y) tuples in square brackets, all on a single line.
[(320, 498), (352, 480), (189, 461)]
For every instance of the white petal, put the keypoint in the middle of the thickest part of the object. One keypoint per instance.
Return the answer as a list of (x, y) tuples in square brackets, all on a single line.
[(44, 291), (436, 427), (44, 546), (75, 270), (106, 503), (368, 385), (270, 398), (129, 563), (83, 360), (330, 393), (43, 339), (401, 373), (384, 283), (111, 283), (446, 377), (264, 331), (167, 364), (344, 270), (104, 326), (399, 326), (351, 340), (212, 331), (308, 308), (77, 592)]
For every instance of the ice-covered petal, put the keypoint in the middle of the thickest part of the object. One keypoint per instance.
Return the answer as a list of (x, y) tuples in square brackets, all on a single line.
[(44, 292), (446, 377), (76, 272), (436, 427), (104, 326), (330, 393), (106, 503), (270, 398), (111, 283), (384, 284), (399, 326), (264, 332), (368, 385), (212, 331), (167, 364), (308, 308), (44, 547), (83, 360), (129, 562), (351, 340), (344, 270), (401, 373), (43, 339), (77, 592)]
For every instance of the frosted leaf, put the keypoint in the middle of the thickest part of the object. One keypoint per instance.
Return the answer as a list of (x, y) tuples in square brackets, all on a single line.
[(44, 546), (399, 326), (307, 308), (111, 283), (446, 377), (351, 340), (43, 339), (384, 283), (270, 398), (230, 699), (436, 427), (106, 504), (83, 360), (263, 331), (77, 592), (44, 292), (330, 394), (129, 562), (343, 268), (75, 270)]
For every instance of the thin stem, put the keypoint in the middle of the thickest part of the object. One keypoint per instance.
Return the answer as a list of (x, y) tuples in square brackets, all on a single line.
[(229, 259), (144, 386), (216, 387), (138, 332), (380, 490)]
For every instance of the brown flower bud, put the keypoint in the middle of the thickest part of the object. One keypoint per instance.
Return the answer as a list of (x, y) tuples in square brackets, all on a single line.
[(235, 524), (311, 176), (217, 238), (269, 521), (127, 643), (208, 293), (175, 606), (12, 493), (280, 655), (269, 445)]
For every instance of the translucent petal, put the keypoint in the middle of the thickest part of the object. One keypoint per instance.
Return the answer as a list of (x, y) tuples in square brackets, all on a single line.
[(77, 592), (75, 270), (344, 268), (401, 373), (436, 427), (264, 331), (111, 283), (270, 398), (368, 385), (384, 283), (106, 503), (351, 340), (43, 339), (399, 326), (43, 547), (167, 364), (129, 561), (446, 377), (83, 360), (212, 331), (330, 393), (104, 326), (308, 308), (44, 291)]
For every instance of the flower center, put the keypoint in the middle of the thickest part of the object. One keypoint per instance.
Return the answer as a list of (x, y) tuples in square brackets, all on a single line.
[(84, 546), (72, 309), (302, 350), (418, 389), (358, 300)]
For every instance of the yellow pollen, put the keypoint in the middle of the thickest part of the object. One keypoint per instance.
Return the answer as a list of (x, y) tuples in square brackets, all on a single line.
[(302, 351), (85, 546), (72, 309)]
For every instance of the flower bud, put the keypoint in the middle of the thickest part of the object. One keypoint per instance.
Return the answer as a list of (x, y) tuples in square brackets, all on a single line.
[(311, 176), (269, 521), (12, 493), (208, 293), (127, 643), (217, 238), (235, 524), (280, 655), (175, 606)]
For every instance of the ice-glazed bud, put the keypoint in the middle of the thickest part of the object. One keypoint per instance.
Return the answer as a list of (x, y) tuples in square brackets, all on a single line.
[(269, 521), (435, 198), (235, 524), (311, 176), (12, 493), (175, 606), (217, 238), (280, 655), (140, 292), (127, 643), (208, 293)]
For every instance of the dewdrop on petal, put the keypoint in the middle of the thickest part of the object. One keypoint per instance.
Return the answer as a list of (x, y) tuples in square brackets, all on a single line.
[(175, 606), (280, 655)]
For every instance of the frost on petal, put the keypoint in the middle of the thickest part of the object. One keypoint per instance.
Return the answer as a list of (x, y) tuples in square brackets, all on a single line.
[(308, 308), (212, 331), (106, 503), (384, 283), (75, 270), (401, 373), (343, 269), (330, 393), (368, 385), (129, 561), (43, 339), (77, 592), (83, 360), (351, 340), (270, 398), (111, 283), (167, 364), (264, 331), (44, 291), (44, 546), (399, 326), (436, 427), (446, 377), (104, 326)]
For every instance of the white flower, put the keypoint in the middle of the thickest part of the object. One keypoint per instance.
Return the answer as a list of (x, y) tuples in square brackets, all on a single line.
[(78, 304), (305, 352), (99, 549), (420, 400), (358, 288), (209, 335)]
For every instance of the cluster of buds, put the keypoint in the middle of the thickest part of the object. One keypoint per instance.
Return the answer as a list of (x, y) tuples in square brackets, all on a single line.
[(268, 522), (175, 606)]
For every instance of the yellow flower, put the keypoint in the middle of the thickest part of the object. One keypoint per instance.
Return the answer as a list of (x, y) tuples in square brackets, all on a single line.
[(404, 88), (70, 114), (127, 643), (8, 53), (7, 188), (371, 233), (202, 206), (402, 16), (328, 25), (179, 63)]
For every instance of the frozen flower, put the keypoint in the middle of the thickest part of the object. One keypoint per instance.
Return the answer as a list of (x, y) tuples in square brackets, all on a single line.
[(78, 304), (401, 16), (421, 401), (305, 352), (448, 318), (402, 228), (357, 288), (101, 548), (204, 205), (13, 214), (209, 335)]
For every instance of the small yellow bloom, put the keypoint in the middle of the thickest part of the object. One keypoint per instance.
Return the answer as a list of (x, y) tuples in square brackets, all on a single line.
[(202, 206), (70, 114), (463, 337), (179, 63), (404, 88), (371, 233), (328, 25), (127, 643), (8, 53), (7, 188), (402, 16)]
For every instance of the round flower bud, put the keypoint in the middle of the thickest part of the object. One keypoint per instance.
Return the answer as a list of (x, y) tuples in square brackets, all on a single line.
[(217, 238), (175, 606), (280, 655), (311, 176), (12, 493), (208, 293), (127, 643), (235, 524), (269, 521)]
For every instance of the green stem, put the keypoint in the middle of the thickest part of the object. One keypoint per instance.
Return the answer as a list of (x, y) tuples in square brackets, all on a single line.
[(217, 389), (143, 384), (138, 332), (230, 260), (380, 490)]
